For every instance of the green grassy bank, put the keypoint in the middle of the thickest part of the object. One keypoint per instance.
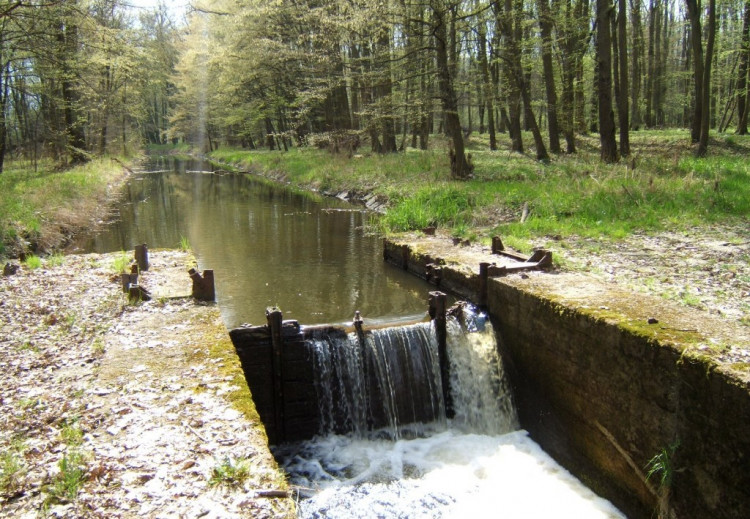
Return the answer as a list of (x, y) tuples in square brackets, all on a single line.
[(659, 186), (41, 207)]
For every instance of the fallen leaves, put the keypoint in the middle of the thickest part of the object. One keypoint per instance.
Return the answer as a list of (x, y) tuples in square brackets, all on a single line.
[(101, 413)]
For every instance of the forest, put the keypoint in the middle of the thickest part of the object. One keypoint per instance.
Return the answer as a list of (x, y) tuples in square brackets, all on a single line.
[(87, 78)]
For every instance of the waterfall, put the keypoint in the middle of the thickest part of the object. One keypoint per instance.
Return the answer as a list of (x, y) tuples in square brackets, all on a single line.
[(400, 456), (388, 380), (482, 399)]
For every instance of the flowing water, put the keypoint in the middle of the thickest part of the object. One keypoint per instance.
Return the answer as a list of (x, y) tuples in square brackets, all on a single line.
[(268, 246), (271, 246), (477, 464)]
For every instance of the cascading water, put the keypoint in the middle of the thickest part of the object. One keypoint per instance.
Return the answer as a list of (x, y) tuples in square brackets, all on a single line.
[(391, 380), (476, 464)]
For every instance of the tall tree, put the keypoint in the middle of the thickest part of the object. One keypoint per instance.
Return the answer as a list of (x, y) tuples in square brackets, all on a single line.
[(742, 104), (545, 27), (623, 97), (706, 88), (604, 61), (696, 44), (636, 63), (460, 167), (488, 92)]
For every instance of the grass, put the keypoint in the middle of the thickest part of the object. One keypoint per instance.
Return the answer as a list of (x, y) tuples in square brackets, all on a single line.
[(12, 470), (33, 262), (184, 244), (56, 260), (661, 466), (40, 205), (71, 433), (660, 186), (121, 263), (68, 481), (230, 472)]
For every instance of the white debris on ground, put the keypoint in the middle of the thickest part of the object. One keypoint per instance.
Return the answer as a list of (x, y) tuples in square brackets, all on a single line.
[(113, 409)]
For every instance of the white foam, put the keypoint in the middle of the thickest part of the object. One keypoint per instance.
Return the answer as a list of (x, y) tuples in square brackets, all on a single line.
[(475, 465), (448, 474)]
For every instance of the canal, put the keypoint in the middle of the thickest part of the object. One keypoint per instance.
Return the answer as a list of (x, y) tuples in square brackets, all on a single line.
[(268, 246)]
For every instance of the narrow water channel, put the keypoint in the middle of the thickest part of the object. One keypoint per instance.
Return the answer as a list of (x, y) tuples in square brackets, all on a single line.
[(309, 256), (268, 246)]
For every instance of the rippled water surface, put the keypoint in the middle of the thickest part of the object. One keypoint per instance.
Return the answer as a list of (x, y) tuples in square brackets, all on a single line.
[(267, 245)]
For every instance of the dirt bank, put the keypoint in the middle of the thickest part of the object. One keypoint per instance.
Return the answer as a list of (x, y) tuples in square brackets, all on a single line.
[(114, 409)]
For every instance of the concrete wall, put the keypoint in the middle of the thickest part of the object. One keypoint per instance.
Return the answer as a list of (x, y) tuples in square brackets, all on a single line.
[(603, 392)]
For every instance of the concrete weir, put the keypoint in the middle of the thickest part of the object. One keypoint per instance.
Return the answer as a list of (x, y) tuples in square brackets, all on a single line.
[(285, 365), (611, 383)]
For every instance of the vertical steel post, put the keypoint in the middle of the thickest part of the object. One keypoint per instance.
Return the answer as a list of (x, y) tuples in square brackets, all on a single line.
[(438, 302), (274, 317)]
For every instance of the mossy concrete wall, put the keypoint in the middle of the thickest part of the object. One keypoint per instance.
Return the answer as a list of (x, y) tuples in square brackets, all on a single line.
[(603, 391)]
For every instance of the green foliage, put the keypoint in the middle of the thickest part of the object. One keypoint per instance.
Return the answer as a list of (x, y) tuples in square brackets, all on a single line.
[(230, 472), (70, 433), (12, 470), (184, 243), (36, 199), (68, 481), (121, 263), (33, 262), (98, 347), (56, 260), (661, 466), (433, 206)]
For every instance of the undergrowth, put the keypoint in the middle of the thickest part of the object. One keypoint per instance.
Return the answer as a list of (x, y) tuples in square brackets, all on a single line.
[(661, 185), (40, 202)]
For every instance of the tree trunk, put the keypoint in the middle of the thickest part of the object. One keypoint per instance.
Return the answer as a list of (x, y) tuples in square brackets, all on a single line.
[(622, 100), (106, 88), (459, 165), (742, 104), (270, 141), (511, 52), (4, 91), (650, 65), (568, 68), (76, 139), (706, 105), (385, 93), (604, 60), (637, 55), (545, 26), (488, 92), (656, 85), (694, 16), (541, 150)]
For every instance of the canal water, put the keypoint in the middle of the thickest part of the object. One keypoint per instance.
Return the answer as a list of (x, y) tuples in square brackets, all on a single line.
[(268, 246), (476, 464), (309, 256)]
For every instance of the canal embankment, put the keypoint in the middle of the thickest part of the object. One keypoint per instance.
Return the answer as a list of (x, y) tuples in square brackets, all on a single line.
[(615, 385), (123, 408)]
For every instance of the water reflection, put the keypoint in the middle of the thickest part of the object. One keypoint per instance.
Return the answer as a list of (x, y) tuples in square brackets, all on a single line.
[(267, 245)]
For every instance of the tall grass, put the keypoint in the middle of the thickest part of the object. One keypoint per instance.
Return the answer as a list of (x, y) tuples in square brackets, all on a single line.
[(659, 186), (38, 205)]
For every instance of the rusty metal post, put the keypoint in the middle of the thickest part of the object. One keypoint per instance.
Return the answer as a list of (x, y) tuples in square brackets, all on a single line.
[(203, 286), (358, 322), (438, 303), (497, 245), (483, 274), (274, 318), (405, 257), (125, 278), (141, 257)]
